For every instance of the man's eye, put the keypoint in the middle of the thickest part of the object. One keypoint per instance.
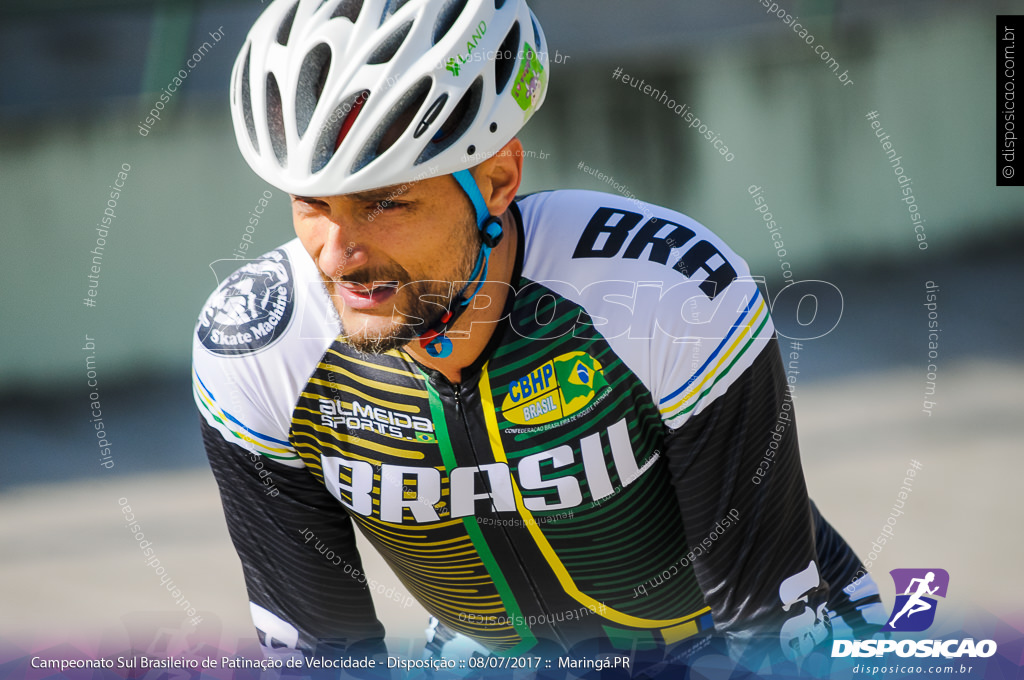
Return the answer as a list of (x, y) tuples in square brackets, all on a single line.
[(312, 202)]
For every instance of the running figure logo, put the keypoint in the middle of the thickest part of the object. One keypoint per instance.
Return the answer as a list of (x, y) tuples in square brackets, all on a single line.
[(916, 586)]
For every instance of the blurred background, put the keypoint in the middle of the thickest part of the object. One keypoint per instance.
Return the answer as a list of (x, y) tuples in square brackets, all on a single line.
[(79, 81)]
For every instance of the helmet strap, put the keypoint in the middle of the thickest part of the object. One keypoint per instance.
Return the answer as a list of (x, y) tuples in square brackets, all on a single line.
[(435, 340)]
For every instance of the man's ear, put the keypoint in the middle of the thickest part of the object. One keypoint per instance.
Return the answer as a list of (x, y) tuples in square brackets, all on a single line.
[(500, 175)]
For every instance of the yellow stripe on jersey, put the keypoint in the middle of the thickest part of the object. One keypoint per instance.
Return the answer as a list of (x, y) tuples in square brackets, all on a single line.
[(206, 398), (349, 390), (443, 578), (533, 526), (734, 350), (378, 367), (372, 384)]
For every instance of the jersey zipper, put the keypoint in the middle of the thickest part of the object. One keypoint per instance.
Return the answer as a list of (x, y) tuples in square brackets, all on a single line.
[(461, 416), (457, 392)]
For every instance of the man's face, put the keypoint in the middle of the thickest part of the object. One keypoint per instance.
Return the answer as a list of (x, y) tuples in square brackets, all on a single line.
[(389, 257)]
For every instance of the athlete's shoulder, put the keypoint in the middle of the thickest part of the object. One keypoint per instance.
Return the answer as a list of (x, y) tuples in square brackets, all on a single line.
[(258, 338), (675, 303), (593, 233)]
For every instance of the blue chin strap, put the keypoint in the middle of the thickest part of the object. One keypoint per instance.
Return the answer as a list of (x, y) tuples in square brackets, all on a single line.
[(434, 340)]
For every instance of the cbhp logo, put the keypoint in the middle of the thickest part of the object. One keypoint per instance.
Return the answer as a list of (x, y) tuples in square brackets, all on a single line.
[(915, 607), (554, 390)]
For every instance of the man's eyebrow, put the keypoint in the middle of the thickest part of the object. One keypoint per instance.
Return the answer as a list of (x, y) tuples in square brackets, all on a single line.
[(371, 195), (384, 193)]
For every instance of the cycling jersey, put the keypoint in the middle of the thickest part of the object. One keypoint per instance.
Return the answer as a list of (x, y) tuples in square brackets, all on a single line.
[(597, 474)]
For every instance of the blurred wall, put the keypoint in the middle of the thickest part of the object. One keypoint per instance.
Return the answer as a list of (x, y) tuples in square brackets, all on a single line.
[(793, 128)]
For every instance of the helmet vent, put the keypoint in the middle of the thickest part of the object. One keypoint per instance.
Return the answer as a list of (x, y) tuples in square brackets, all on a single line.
[(391, 8), (250, 125), (536, 31), (498, 4), (349, 9), (460, 119), (275, 121), (312, 77), (333, 133), (387, 49), (394, 124), (285, 29), (505, 59), (447, 17)]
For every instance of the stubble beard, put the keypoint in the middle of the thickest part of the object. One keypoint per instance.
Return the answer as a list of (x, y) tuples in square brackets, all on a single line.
[(408, 320), (419, 305)]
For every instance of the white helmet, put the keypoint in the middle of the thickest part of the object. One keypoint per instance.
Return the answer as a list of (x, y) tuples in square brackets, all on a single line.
[(332, 97)]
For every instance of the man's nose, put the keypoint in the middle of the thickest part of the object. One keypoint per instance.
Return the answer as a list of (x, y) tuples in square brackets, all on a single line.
[(341, 253)]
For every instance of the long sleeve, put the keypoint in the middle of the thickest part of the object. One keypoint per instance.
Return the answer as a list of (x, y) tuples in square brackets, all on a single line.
[(297, 546), (739, 458)]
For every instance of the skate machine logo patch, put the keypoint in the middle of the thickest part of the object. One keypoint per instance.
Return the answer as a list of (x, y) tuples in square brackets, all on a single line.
[(251, 309)]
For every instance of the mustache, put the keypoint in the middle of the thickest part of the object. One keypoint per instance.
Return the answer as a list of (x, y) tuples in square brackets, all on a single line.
[(369, 279), (396, 278)]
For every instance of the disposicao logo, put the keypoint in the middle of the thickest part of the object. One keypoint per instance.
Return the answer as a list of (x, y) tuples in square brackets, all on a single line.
[(914, 611), (554, 390), (915, 608)]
